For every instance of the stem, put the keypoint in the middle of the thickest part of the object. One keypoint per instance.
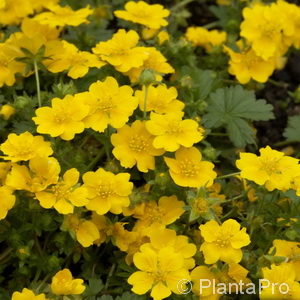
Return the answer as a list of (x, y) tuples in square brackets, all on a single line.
[(215, 216), (228, 175), (233, 198), (37, 79), (278, 83), (111, 271), (42, 283), (5, 253), (38, 246), (181, 4), (211, 25), (96, 159), (284, 143), (145, 101)]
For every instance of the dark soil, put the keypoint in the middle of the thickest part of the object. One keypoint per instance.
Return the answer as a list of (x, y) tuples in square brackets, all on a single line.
[(271, 132)]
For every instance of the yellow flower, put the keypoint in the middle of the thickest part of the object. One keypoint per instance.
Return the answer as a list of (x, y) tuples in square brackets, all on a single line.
[(129, 241), (121, 51), (86, 232), (163, 237), (64, 284), (31, 28), (154, 61), (65, 194), (277, 275), (25, 147), (107, 191), (246, 65), (229, 274), (223, 242), (63, 119), (33, 37), (205, 273), (251, 193), (272, 168), (27, 294), (208, 39), (7, 201), (104, 227), (8, 65), (152, 16), (160, 271), (7, 111), (188, 170), (165, 212), (160, 99), (291, 22), (290, 250), (163, 37), (20, 41), (42, 172), (262, 27), (133, 146), (65, 56), (14, 11), (237, 273), (109, 104), (148, 33), (171, 131), (296, 184), (63, 15), (4, 170)]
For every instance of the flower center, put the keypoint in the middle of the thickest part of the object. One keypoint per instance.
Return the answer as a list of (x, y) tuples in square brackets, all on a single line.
[(188, 168), (60, 117), (61, 192), (159, 275), (153, 215), (104, 191), (222, 241), (270, 166), (138, 143), (174, 128), (25, 152), (106, 105), (250, 60)]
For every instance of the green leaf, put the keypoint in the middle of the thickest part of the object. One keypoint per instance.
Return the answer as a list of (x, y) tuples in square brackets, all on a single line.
[(203, 81), (234, 108), (292, 132)]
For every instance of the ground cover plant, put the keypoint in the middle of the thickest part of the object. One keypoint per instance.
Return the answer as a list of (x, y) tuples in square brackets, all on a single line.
[(149, 149)]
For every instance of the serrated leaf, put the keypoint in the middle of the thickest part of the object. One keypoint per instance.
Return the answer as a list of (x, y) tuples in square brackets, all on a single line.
[(204, 81), (240, 132), (233, 108), (292, 132)]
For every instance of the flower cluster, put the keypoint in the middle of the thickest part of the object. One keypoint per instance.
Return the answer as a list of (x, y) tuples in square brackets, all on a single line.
[(272, 169), (113, 169), (268, 31), (202, 37), (62, 284), (38, 42)]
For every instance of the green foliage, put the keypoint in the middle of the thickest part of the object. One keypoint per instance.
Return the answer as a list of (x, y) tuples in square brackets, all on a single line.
[(234, 108), (292, 131)]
